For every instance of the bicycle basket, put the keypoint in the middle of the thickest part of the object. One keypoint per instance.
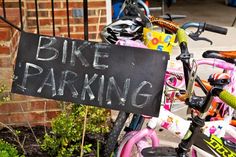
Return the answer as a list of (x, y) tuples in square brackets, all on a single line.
[(160, 41)]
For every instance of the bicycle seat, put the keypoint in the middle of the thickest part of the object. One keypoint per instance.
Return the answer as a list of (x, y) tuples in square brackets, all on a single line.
[(228, 56)]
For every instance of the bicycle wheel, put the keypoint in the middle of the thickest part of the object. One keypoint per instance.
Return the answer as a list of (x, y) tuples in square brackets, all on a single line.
[(115, 132), (136, 149), (159, 151), (133, 121), (126, 138)]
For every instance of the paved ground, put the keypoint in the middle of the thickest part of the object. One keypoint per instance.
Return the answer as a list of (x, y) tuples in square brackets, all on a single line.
[(212, 11)]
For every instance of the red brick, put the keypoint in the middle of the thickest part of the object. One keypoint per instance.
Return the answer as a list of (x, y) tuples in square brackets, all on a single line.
[(49, 32), (18, 107), (101, 26), (43, 22), (13, 4), (18, 97), (91, 20), (52, 114), (4, 49), (95, 20), (73, 4), (30, 5), (64, 29), (4, 108), (5, 62), (31, 22), (73, 21), (5, 34), (18, 118), (4, 119), (77, 36), (81, 28), (60, 13), (43, 5), (5, 76), (104, 12), (13, 12), (13, 107), (10, 17), (32, 13), (36, 117), (96, 4), (38, 105), (6, 73), (93, 36), (52, 105)]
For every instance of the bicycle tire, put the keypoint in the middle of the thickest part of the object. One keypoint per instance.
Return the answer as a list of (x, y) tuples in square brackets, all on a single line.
[(119, 151), (126, 138), (114, 134), (159, 151)]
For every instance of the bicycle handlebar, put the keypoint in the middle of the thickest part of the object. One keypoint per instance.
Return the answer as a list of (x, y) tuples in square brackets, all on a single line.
[(204, 26), (216, 29), (228, 98), (173, 27)]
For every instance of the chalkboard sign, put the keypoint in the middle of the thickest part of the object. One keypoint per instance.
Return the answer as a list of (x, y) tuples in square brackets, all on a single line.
[(109, 76)]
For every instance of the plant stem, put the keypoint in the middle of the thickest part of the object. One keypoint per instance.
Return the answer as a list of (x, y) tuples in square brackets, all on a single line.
[(84, 131), (28, 123), (98, 148), (14, 133), (45, 117)]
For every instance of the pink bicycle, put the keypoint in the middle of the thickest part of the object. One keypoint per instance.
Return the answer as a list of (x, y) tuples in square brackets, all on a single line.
[(136, 137), (184, 57), (179, 126)]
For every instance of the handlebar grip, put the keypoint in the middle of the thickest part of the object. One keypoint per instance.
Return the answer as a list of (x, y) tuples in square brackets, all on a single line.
[(216, 29), (228, 98)]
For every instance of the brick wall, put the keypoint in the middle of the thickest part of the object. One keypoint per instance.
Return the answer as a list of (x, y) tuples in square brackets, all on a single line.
[(22, 109), (97, 11)]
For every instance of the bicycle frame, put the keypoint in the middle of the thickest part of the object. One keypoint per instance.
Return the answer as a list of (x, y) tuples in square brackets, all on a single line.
[(179, 127), (185, 56), (176, 125)]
